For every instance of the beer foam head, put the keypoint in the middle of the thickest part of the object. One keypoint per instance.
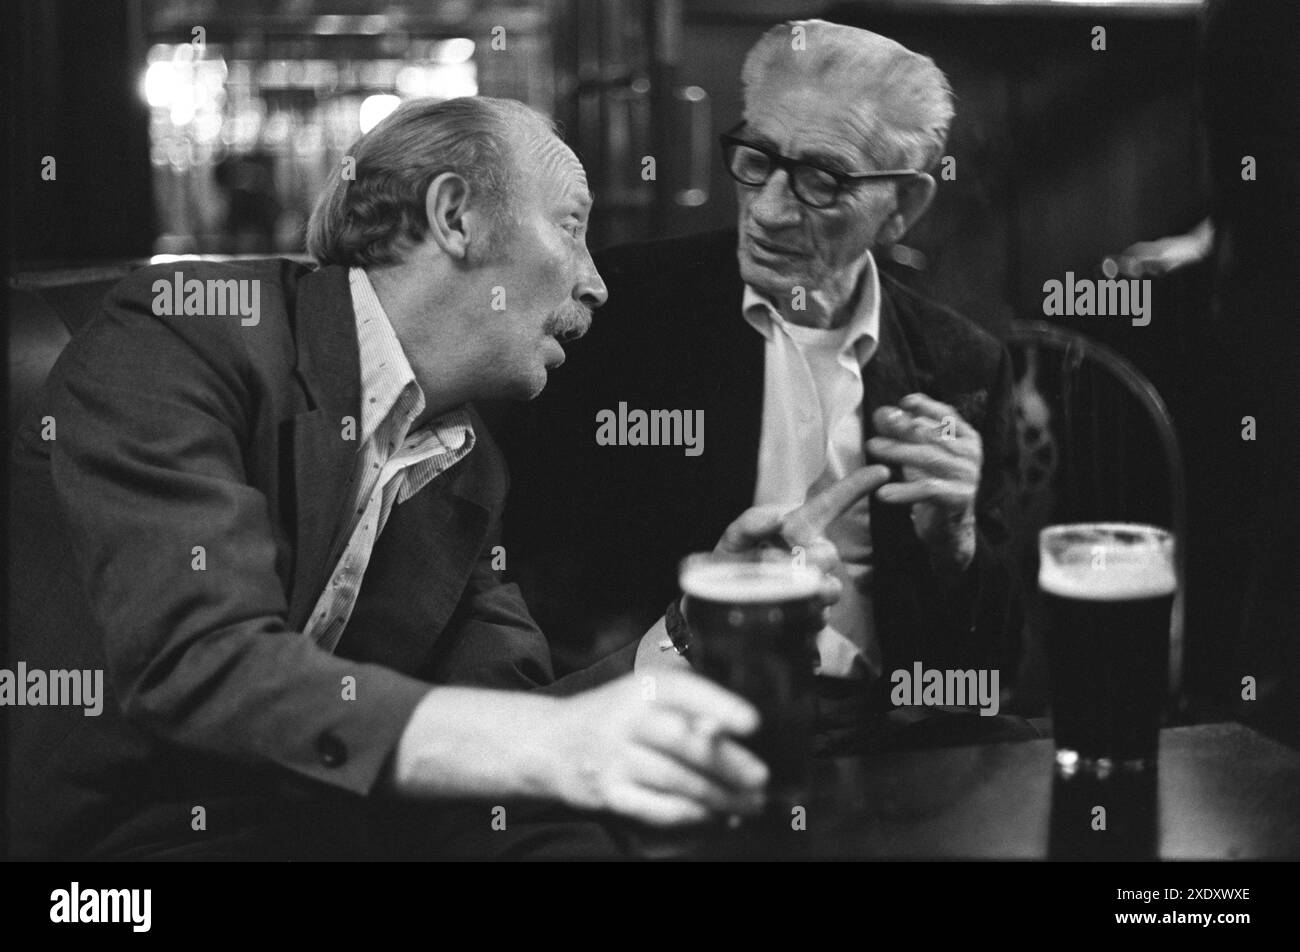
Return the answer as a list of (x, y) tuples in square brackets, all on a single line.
[(1106, 561), (747, 582)]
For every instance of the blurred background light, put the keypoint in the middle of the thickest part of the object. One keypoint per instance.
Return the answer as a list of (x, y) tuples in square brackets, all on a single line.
[(457, 50), (443, 80), (374, 109)]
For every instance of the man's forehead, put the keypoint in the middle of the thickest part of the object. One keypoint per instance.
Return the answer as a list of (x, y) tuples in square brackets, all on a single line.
[(578, 185), (808, 120), (573, 182), (555, 163)]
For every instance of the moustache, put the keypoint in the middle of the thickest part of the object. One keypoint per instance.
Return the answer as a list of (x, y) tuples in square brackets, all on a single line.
[(569, 322)]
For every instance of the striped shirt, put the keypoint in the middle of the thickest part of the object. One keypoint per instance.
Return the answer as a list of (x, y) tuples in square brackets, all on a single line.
[(393, 463)]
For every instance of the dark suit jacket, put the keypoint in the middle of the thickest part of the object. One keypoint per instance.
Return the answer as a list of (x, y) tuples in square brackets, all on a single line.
[(179, 432), (609, 523)]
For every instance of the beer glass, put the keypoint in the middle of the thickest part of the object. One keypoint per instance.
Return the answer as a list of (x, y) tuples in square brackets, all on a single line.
[(1108, 588), (754, 620)]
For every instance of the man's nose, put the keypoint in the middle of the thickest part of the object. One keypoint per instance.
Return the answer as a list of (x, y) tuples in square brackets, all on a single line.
[(591, 290), (775, 205)]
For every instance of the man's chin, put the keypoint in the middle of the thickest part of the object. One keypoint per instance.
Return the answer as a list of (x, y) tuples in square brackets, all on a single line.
[(532, 388)]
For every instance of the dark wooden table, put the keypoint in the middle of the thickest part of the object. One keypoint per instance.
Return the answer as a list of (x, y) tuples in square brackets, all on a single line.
[(1221, 791)]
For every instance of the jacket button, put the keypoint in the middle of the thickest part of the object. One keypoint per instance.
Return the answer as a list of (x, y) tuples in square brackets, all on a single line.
[(331, 750)]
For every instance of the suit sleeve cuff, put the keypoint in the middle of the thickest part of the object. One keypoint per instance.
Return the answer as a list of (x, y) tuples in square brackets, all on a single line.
[(354, 734)]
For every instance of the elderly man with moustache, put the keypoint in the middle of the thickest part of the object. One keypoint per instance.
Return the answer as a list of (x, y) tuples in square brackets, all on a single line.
[(809, 361), (278, 537)]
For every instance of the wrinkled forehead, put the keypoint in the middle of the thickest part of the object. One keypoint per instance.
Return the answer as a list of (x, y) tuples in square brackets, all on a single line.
[(543, 156), (796, 115)]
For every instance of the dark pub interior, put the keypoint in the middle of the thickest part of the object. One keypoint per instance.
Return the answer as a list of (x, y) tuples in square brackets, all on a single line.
[(1078, 276)]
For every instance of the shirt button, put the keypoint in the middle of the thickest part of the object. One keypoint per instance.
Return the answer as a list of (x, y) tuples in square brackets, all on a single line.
[(331, 750)]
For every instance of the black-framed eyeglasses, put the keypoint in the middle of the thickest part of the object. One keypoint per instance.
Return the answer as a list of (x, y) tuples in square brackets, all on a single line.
[(751, 164)]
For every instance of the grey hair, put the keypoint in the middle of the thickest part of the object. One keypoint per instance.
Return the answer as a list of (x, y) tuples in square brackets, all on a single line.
[(374, 216), (910, 98)]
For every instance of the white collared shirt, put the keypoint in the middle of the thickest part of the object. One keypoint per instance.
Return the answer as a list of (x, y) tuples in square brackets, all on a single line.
[(811, 436), (393, 464)]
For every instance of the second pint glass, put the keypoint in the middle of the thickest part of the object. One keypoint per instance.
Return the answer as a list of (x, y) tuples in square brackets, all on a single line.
[(1108, 589)]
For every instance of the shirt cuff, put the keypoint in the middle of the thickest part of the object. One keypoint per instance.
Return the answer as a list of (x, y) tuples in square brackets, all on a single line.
[(838, 657)]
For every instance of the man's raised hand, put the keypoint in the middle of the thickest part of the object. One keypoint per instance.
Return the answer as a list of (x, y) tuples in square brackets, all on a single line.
[(766, 529), (940, 456)]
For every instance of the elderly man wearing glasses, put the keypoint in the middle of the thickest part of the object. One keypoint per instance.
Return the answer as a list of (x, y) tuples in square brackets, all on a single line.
[(809, 361)]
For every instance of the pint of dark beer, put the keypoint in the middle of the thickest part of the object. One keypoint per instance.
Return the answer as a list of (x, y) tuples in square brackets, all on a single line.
[(754, 625), (1108, 589)]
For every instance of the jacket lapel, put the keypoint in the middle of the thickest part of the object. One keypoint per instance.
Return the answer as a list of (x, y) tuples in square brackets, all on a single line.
[(734, 409), (419, 569), (329, 369), (891, 374)]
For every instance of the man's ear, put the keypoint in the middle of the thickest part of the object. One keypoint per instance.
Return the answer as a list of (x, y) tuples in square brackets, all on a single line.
[(445, 208), (914, 197)]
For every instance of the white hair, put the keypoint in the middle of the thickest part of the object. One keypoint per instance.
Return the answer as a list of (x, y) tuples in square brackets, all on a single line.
[(908, 97)]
